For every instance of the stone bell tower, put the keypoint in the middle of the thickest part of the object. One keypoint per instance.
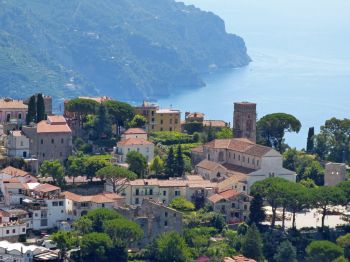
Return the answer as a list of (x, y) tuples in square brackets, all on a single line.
[(244, 120)]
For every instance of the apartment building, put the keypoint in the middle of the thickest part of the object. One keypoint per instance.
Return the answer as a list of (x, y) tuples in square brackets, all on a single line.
[(232, 204), (163, 191), (50, 139), (159, 119), (11, 229), (17, 144)]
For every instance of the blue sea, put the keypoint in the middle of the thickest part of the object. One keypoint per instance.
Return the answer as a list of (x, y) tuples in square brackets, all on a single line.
[(301, 62)]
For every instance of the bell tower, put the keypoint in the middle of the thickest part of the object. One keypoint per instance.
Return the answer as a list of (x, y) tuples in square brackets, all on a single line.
[(244, 120)]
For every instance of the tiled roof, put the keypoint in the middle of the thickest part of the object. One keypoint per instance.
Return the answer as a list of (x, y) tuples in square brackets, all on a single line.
[(97, 99), (135, 131), (44, 188), (240, 145), (237, 170), (194, 178), (99, 198), (134, 141), (3, 213), (16, 133), (194, 183), (214, 123), (230, 193), (241, 259), (198, 149), (45, 127), (56, 120), (195, 115), (12, 104), (12, 171), (208, 165), (228, 182)]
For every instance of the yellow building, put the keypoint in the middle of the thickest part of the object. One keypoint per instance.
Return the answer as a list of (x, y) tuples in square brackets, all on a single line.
[(160, 119)]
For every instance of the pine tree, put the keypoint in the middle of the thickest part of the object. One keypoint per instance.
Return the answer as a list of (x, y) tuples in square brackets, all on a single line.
[(252, 246), (169, 164), (285, 252), (310, 140), (31, 115), (179, 162), (257, 213), (40, 108)]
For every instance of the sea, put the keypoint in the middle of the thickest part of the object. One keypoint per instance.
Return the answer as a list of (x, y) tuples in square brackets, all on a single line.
[(301, 62)]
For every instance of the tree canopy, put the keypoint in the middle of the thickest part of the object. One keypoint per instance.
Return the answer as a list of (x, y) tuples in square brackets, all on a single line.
[(137, 163), (272, 128), (53, 169), (323, 250)]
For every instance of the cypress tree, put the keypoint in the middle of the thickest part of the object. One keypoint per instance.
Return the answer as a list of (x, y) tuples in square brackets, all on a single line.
[(179, 163), (102, 123), (31, 115), (257, 213), (40, 108), (169, 164), (310, 140), (210, 134), (286, 252)]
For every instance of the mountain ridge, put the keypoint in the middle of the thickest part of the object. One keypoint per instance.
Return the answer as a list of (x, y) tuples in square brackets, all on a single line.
[(131, 49)]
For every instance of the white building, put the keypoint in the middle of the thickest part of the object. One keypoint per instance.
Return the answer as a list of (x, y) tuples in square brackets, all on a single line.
[(22, 176), (17, 144), (242, 159), (18, 252), (134, 139), (9, 228)]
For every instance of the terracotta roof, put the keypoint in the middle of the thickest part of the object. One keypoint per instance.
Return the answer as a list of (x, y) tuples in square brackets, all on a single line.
[(134, 141), (230, 193), (3, 213), (194, 183), (99, 198), (16, 185), (198, 149), (228, 182), (240, 259), (16, 133), (12, 104), (135, 131), (209, 165), (45, 127), (56, 120), (44, 188), (242, 145), (214, 123), (17, 212), (237, 170), (12, 171), (195, 115), (194, 178)]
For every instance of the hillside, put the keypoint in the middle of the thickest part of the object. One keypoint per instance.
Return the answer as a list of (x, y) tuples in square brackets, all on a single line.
[(130, 49)]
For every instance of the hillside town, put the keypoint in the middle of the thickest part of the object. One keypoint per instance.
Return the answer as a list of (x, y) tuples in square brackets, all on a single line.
[(127, 179)]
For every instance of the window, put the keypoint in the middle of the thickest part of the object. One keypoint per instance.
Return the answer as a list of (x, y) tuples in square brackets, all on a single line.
[(248, 160), (52, 141), (243, 188), (166, 214), (42, 141), (245, 207), (239, 157), (19, 116), (103, 205), (21, 143), (165, 223), (161, 121), (136, 201), (233, 205), (170, 129), (61, 203), (7, 232), (243, 159), (14, 231), (176, 121), (137, 191), (23, 230), (55, 203), (43, 154), (164, 193), (62, 140), (151, 191), (177, 193)]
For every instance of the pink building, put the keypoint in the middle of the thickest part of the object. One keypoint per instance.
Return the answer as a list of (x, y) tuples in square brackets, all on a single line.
[(12, 110)]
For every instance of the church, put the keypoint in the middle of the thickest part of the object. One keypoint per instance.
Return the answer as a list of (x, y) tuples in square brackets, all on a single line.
[(239, 162)]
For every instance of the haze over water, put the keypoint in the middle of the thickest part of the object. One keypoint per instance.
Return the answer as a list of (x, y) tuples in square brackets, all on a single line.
[(301, 62)]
